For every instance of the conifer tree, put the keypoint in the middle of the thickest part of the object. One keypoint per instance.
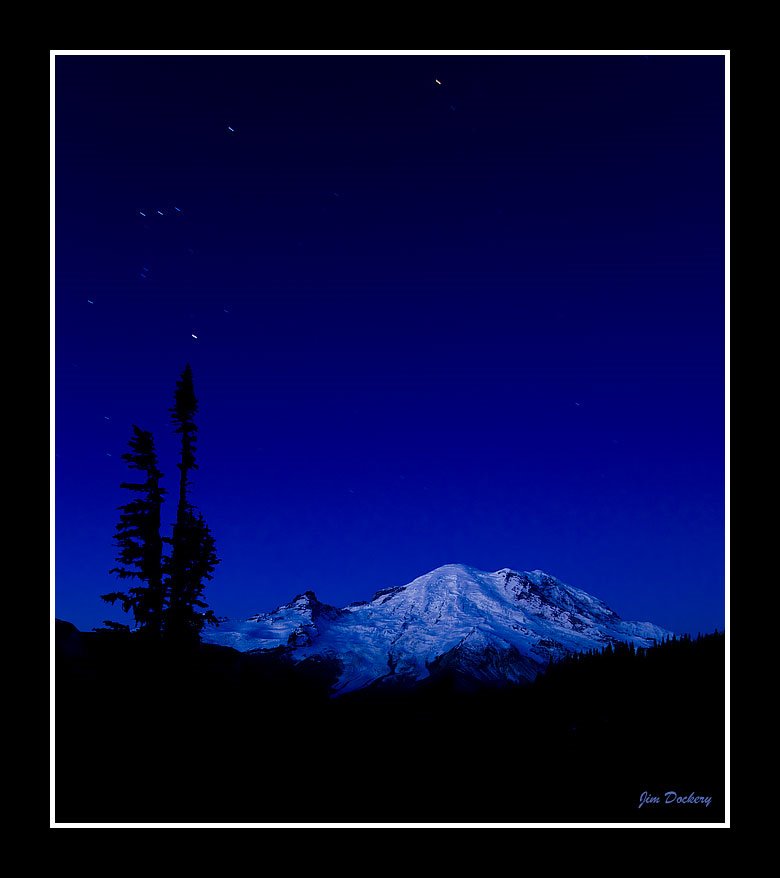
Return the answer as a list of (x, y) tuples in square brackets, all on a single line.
[(193, 553), (138, 538)]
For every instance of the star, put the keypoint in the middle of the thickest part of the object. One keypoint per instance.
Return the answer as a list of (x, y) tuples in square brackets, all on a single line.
[(233, 130), (193, 335), (90, 301), (437, 81)]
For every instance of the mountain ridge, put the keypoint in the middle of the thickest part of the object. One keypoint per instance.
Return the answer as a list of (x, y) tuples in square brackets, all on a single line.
[(481, 626)]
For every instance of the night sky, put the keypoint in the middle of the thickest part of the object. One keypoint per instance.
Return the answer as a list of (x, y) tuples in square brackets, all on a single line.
[(480, 321)]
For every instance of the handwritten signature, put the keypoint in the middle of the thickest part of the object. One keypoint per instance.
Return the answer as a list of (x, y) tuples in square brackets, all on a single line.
[(671, 797)]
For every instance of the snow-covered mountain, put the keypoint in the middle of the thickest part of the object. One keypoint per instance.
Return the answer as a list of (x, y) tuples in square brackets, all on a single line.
[(486, 626)]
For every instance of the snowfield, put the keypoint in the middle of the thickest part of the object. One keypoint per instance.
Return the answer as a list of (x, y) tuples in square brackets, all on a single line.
[(486, 626)]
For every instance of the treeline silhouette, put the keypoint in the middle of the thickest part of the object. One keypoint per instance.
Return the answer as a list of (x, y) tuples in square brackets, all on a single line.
[(150, 732), (167, 603)]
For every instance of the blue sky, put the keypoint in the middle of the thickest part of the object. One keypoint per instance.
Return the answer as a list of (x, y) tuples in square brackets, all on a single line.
[(476, 322)]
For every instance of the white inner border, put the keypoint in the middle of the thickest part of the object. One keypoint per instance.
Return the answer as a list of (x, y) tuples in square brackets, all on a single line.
[(727, 559)]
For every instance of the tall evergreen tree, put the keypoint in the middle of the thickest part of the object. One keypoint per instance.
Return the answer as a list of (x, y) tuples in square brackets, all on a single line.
[(193, 553), (138, 539)]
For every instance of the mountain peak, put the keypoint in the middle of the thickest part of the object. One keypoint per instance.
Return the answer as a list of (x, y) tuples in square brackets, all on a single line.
[(452, 568), (533, 575), (499, 626)]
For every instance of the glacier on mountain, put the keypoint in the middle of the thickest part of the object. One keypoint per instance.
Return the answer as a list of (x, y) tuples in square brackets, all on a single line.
[(487, 627)]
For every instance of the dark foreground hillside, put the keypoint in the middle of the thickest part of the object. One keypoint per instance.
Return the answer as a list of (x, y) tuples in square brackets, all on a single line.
[(213, 735)]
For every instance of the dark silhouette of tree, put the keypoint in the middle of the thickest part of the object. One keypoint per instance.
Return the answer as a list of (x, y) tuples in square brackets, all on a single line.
[(138, 539), (183, 411), (193, 561), (193, 553)]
